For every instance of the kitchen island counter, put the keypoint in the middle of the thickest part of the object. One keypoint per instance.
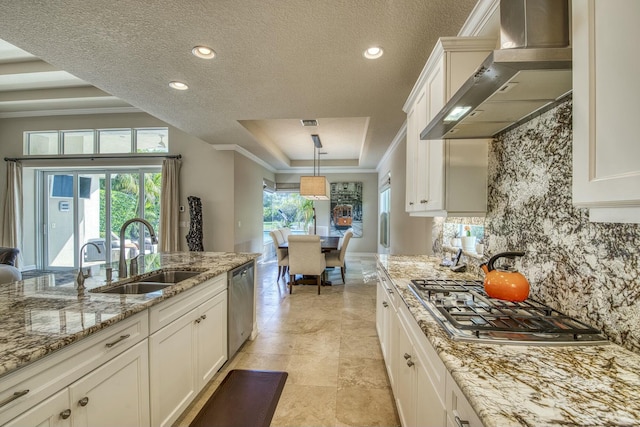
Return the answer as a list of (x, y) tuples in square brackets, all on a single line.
[(528, 385), (39, 316)]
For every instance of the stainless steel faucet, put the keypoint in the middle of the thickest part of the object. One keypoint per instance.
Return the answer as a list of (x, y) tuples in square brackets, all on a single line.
[(81, 276), (122, 265)]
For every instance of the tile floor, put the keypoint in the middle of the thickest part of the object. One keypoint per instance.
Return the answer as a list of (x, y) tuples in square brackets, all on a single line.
[(327, 343)]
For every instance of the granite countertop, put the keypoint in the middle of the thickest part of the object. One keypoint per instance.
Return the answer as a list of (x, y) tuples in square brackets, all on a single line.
[(513, 385), (41, 315)]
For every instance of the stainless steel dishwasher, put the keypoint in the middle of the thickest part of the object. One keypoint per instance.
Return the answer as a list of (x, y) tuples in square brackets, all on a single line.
[(240, 306)]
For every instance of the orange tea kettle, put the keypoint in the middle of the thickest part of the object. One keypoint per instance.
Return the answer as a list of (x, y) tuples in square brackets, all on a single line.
[(505, 284)]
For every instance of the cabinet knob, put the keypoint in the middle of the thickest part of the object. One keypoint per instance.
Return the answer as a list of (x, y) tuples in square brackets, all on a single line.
[(461, 423), (410, 363), (83, 401), (410, 203), (204, 316), (198, 320), (423, 201), (384, 303), (407, 356), (65, 414)]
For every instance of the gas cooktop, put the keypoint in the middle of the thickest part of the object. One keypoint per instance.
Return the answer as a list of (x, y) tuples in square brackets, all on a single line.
[(467, 313)]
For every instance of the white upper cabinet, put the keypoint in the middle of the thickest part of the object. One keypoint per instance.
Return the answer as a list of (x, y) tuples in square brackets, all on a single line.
[(606, 152), (445, 177)]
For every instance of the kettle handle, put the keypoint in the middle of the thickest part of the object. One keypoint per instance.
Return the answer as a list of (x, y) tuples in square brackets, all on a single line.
[(494, 258)]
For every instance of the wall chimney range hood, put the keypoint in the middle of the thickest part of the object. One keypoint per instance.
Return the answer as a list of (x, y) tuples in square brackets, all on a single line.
[(531, 72)]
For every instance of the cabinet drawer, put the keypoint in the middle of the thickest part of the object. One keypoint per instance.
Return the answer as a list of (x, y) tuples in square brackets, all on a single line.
[(166, 312), (43, 378)]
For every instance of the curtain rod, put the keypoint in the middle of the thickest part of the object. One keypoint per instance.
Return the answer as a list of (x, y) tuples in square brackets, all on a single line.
[(96, 157)]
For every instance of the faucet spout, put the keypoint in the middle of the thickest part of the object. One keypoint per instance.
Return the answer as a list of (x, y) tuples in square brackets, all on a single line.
[(122, 265), (81, 276)]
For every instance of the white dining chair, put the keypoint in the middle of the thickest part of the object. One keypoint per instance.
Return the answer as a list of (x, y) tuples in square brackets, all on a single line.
[(337, 258), (306, 258), (281, 253)]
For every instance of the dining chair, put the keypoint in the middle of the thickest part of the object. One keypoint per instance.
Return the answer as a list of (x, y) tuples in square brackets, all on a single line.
[(281, 253), (306, 258), (337, 258)]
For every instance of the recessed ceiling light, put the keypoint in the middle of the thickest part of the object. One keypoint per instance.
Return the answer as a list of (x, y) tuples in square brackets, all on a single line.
[(373, 52), (203, 52), (178, 85)]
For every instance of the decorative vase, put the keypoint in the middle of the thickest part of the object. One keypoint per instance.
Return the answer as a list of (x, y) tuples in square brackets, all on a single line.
[(469, 243)]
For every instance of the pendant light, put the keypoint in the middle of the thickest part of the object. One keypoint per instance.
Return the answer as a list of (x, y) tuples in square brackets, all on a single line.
[(315, 187)]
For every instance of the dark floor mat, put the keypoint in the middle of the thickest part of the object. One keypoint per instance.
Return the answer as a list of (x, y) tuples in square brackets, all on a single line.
[(244, 398)]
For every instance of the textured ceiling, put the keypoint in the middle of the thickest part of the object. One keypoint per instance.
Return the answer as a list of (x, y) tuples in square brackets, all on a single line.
[(277, 62)]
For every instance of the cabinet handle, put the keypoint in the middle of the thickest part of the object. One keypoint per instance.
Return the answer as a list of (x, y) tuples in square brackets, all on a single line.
[(65, 414), (198, 320), (407, 356), (384, 303), (83, 401), (410, 363), (410, 203), (461, 423), (122, 337), (13, 397), (204, 316), (423, 201)]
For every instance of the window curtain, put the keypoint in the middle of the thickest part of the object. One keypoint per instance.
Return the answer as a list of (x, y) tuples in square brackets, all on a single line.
[(169, 206), (12, 224)]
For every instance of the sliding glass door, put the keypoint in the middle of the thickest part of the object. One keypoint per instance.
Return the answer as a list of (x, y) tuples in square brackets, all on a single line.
[(82, 207)]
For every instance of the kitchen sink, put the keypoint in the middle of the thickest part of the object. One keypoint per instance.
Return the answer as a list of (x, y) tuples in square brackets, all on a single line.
[(172, 276), (153, 283), (136, 288)]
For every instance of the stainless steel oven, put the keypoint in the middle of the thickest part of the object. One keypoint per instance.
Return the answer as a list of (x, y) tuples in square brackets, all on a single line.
[(467, 313)]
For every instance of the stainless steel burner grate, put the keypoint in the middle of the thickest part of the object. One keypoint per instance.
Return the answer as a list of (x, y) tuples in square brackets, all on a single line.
[(466, 312)]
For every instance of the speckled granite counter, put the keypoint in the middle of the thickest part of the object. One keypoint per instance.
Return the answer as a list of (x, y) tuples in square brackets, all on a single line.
[(39, 316), (511, 385)]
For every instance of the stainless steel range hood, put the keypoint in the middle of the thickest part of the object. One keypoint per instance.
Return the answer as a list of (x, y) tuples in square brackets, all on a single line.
[(515, 82)]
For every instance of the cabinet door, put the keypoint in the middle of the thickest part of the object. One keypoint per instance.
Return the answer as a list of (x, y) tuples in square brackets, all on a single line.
[(211, 337), (422, 171), (606, 154), (116, 394), (430, 409), (405, 378), (382, 305), (52, 412), (411, 161), (172, 365)]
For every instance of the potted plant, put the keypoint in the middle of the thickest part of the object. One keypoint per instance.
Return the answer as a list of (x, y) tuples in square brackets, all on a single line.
[(468, 241)]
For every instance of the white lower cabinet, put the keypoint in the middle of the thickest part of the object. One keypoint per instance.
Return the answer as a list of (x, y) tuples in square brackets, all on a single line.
[(116, 394), (420, 377), (186, 353), (425, 393)]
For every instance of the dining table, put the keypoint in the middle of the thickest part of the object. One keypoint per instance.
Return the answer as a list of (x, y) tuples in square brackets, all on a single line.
[(327, 244)]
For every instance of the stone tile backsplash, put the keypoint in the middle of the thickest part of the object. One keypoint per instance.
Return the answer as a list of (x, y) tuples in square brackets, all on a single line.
[(587, 270)]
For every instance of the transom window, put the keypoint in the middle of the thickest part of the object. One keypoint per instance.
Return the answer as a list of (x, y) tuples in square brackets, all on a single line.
[(96, 141)]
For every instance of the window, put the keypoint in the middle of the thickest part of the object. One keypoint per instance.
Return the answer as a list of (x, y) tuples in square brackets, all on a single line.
[(94, 141), (90, 206), (42, 143), (115, 141), (78, 142)]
